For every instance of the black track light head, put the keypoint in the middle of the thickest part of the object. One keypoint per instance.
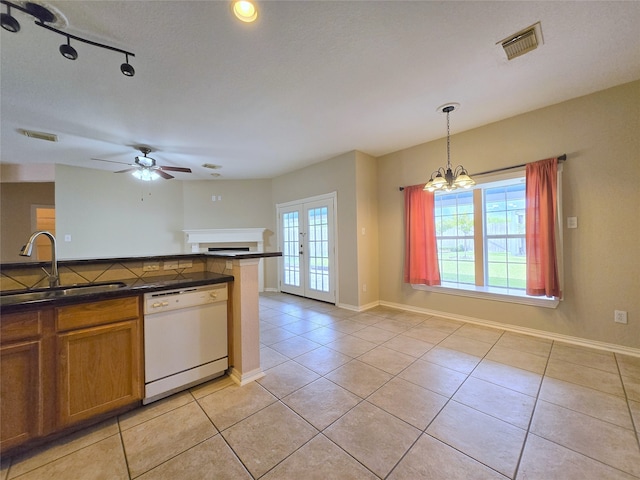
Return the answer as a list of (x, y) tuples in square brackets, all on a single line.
[(68, 51), (127, 69), (9, 23)]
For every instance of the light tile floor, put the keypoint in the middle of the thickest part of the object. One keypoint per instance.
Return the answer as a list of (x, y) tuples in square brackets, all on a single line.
[(381, 394)]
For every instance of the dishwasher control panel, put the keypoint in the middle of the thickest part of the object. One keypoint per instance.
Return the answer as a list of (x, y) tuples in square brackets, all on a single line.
[(168, 300)]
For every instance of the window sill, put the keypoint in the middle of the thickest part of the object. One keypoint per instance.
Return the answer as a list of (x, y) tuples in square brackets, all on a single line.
[(490, 293)]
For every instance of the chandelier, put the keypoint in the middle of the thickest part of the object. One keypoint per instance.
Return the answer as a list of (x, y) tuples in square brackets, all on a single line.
[(449, 178)]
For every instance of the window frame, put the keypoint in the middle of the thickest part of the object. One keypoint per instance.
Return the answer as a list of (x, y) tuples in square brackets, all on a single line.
[(502, 294)]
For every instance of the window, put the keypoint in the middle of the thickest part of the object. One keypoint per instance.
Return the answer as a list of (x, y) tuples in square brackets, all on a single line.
[(480, 235), (454, 236), (504, 236)]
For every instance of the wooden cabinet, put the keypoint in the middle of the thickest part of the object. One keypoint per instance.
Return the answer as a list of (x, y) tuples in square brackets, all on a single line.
[(25, 380), (67, 365), (99, 364)]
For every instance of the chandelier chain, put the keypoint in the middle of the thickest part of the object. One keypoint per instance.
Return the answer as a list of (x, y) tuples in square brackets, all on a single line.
[(448, 143)]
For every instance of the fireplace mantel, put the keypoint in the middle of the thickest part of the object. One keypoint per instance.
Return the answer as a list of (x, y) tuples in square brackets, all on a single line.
[(224, 237)]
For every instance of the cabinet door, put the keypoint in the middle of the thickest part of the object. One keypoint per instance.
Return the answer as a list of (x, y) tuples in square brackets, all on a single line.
[(20, 393), (99, 370)]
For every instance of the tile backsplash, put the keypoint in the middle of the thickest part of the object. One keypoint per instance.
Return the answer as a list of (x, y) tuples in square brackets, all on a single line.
[(21, 277)]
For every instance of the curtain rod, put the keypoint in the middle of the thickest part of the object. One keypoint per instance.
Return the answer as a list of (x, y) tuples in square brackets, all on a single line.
[(561, 158)]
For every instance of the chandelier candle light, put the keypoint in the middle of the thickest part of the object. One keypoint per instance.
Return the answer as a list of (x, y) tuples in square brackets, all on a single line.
[(450, 178)]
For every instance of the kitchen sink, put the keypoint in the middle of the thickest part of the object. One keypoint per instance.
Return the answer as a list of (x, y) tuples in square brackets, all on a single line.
[(21, 296)]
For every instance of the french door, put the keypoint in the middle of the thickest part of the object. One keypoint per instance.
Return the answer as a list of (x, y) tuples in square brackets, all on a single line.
[(306, 231)]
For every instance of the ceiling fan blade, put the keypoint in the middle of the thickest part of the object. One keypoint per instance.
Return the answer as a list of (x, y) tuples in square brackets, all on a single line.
[(163, 174), (176, 169), (126, 170), (111, 161)]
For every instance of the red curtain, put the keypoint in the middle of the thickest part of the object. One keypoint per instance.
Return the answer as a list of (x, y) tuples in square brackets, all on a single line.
[(541, 203), (420, 253)]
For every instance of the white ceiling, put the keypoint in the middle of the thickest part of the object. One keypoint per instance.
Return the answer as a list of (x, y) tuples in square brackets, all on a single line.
[(308, 81)]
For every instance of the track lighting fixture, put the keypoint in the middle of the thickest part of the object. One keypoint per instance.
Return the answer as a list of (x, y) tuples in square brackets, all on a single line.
[(8, 22), (42, 17), (68, 51), (127, 69)]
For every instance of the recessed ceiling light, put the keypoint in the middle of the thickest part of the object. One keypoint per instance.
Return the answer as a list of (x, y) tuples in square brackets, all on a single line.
[(244, 10), (211, 166)]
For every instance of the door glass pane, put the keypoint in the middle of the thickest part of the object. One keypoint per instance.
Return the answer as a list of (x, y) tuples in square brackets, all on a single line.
[(318, 249), (290, 252)]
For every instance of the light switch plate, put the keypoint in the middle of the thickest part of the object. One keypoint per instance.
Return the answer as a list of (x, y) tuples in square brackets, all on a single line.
[(572, 222)]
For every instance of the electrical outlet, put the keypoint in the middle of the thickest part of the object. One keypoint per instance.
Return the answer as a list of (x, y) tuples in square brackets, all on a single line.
[(228, 265), (170, 264), (364, 287), (620, 316), (150, 266)]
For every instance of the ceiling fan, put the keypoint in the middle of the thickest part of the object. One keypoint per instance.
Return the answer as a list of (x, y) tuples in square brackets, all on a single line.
[(145, 168)]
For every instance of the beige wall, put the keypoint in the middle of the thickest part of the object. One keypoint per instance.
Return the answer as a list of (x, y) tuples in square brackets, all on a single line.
[(599, 134), (334, 175), (367, 228), (110, 215), (244, 204), (16, 200)]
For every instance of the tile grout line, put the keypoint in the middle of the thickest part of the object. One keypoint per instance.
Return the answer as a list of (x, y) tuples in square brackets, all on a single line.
[(533, 412), (627, 399), (124, 450), (219, 432)]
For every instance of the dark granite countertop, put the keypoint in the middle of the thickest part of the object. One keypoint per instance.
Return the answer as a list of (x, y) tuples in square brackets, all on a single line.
[(239, 254), (133, 286), (151, 258)]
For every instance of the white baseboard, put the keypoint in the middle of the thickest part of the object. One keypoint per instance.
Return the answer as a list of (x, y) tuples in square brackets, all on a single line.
[(584, 342), (355, 308), (244, 378)]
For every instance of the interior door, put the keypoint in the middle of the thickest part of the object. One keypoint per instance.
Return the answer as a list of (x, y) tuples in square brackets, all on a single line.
[(307, 242)]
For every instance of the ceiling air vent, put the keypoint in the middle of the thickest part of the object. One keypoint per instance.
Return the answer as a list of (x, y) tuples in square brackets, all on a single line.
[(49, 137), (522, 42)]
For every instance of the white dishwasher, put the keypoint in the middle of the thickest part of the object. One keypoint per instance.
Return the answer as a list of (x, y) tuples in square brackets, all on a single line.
[(185, 338)]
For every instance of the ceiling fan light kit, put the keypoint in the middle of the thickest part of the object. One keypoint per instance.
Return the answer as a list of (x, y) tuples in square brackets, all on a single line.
[(145, 174), (145, 168), (43, 17)]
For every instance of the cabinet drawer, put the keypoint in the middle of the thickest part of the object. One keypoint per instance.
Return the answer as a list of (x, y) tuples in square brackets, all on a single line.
[(97, 313), (20, 326)]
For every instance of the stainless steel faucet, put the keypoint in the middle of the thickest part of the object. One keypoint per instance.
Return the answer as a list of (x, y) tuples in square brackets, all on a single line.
[(53, 277)]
